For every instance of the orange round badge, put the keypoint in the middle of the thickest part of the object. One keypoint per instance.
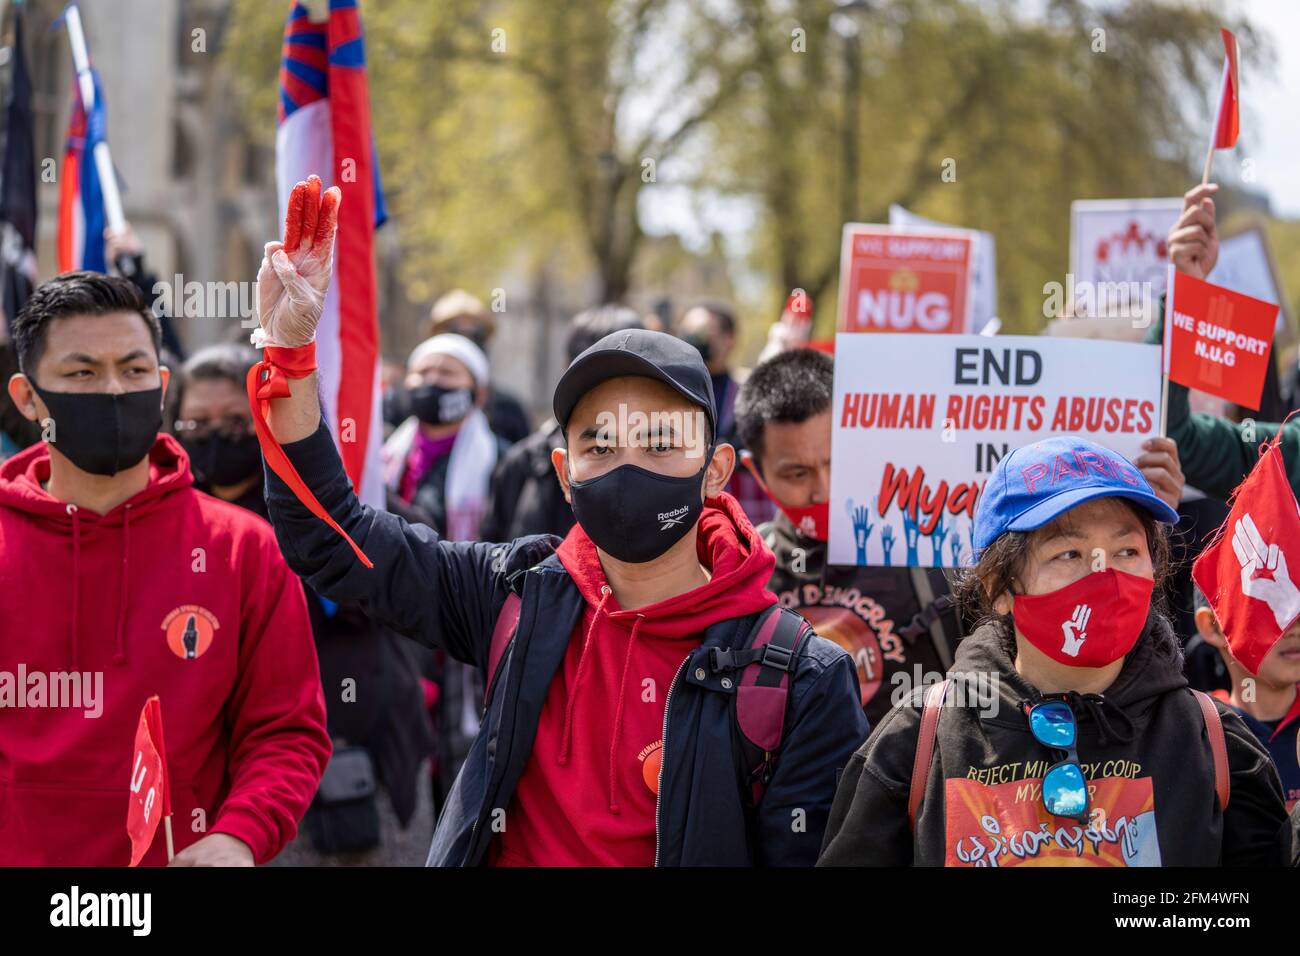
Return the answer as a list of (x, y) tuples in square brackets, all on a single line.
[(189, 630), (651, 758)]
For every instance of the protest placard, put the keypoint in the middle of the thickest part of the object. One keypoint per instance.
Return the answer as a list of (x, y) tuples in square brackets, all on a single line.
[(1217, 340), (921, 422), (904, 281), (1118, 255), (984, 262)]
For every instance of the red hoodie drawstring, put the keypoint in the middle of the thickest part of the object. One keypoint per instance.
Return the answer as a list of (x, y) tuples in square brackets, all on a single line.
[(618, 713), (605, 592), (119, 654), (76, 584)]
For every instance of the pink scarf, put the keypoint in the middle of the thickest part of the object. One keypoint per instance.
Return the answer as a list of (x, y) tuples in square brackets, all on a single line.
[(424, 453)]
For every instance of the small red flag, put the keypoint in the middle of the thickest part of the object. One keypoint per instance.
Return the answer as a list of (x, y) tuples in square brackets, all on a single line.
[(1217, 340), (150, 787), (1227, 123), (799, 304), (1248, 573)]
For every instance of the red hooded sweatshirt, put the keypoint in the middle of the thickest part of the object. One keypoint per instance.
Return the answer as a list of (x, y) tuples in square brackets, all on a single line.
[(172, 593), (587, 796)]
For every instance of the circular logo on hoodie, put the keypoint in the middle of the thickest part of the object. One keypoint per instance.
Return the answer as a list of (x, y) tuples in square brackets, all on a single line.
[(189, 629), (651, 757)]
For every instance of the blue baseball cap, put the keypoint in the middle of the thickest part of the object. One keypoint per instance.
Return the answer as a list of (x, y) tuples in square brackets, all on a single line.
[(1035, 484)]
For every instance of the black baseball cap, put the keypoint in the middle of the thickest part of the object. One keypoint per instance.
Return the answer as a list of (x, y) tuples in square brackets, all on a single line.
[(656, 355)]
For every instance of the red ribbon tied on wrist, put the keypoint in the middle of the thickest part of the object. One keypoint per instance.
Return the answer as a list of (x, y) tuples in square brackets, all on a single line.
[(269, 379)]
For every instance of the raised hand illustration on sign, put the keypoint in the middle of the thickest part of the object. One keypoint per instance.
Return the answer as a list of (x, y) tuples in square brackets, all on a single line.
[(861, 516), (1264, 574), (936, 542), (1075, 630)]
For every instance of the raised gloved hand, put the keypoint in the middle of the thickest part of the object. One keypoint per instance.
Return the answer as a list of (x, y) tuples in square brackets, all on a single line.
[(295, 273)]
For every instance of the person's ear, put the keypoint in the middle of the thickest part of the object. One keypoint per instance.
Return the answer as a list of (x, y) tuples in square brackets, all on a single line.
[(1207, 625), (166, 375), (560, 462), (480, 396), (721, 465), (1004, 603), (24, 397)]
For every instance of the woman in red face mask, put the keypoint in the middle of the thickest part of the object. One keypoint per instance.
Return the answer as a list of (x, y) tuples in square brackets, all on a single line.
[(1066, 733)]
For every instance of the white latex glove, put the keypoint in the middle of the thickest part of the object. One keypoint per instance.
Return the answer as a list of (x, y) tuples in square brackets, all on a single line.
[(295, 274)]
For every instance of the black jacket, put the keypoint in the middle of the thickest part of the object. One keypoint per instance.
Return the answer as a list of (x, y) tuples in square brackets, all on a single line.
[(386, 715), (982, 803), (448, 594)]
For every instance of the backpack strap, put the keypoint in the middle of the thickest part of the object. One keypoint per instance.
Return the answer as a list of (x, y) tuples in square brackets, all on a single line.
[(1218, 746), (502, 634), (766, 662), (933, 707), (930, 616)]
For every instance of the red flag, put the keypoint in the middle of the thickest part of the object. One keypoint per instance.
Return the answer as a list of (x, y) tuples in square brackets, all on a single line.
[(150, 786), (1217, 340), (1248, 573), (1227, 123)]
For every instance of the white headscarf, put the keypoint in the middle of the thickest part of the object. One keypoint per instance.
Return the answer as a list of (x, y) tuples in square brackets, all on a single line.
[(458, 347)]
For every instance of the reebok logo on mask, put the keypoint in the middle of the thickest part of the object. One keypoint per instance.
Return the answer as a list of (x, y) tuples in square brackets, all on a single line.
[(671, 519)]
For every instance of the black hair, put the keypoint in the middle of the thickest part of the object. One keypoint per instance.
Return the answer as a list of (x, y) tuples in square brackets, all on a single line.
[(590, 326), (228, 361), (72, 294), (726, 318), (790, 387)]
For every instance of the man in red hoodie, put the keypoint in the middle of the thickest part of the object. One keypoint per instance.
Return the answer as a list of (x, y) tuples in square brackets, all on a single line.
[(119, 581), (624, 665)]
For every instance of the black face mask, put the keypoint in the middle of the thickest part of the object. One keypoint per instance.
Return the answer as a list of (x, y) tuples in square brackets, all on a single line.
[(636, 515), (102, 433), (435, 405), (397, 406), (219, 461)]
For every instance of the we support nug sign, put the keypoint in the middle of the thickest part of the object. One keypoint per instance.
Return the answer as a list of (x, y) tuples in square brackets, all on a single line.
[(921, 421)]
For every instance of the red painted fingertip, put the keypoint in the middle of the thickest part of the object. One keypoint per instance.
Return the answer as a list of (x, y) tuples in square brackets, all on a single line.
[(293, 218), (329, 215), (311, 208)]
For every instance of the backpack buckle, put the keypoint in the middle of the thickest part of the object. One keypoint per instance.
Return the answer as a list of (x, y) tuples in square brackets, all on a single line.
[(722, 659), (778, 657)]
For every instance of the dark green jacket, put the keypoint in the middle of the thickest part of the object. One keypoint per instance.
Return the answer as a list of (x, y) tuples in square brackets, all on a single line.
[(1217, 454)]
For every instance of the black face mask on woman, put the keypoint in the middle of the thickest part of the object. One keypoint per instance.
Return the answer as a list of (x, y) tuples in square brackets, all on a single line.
[(636, 515), (435, 405), (220, 461), (102, 433)]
